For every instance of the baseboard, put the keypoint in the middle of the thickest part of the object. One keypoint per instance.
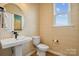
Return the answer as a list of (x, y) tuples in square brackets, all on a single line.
[(56, 53), (30, 53), (50, 51)]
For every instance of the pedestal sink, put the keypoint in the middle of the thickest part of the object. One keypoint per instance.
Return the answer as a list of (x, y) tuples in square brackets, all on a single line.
[(15, 43)]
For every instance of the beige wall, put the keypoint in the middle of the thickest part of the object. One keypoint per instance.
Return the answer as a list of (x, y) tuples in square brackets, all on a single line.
[(67, 36), (35, 15), (31, 17), (31, 23)]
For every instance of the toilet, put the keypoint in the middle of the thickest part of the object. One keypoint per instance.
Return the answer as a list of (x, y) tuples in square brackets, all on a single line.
[(41, 48)]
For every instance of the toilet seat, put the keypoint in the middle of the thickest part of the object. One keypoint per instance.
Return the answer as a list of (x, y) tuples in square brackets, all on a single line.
[(42, 47)]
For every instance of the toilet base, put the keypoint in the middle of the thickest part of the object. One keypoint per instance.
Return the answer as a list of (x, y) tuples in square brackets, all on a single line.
[(41, 53)]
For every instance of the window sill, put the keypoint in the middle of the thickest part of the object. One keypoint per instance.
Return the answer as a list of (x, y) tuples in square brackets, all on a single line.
[(62, 25)]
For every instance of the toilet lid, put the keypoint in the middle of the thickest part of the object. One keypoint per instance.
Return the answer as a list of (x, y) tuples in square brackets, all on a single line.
[(42, 46)]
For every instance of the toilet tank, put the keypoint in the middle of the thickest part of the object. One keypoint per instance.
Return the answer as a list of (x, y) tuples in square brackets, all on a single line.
[(36, 40)]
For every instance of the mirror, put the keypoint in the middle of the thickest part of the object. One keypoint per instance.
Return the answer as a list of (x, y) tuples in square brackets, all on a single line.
[(13, 17), (0, 21), (1, 17)]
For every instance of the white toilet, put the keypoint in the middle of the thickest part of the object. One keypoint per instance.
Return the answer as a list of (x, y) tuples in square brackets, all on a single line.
[(41, 48)]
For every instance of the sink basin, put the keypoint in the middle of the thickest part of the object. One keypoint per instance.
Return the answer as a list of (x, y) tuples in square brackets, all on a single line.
[(15, 43), (6, 43)]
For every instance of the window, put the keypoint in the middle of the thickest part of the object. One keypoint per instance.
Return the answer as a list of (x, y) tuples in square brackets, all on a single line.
[(62, 14)]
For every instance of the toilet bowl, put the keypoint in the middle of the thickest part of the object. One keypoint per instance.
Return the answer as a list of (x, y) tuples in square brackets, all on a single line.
[(41, 48)]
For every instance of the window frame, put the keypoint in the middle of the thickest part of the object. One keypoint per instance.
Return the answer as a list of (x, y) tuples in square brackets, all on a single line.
[(69, 16)]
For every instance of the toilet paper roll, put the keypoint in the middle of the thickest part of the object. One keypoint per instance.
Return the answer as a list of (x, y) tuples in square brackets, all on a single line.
[(55, 41)]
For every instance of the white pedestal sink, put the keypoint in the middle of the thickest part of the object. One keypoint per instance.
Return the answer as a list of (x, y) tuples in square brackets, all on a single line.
[(15, 43)]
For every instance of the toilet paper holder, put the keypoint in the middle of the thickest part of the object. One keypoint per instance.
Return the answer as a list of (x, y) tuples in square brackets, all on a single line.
[(55, 41)]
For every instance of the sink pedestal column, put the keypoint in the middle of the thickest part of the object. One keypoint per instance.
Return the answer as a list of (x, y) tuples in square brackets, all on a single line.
[(18, 50)]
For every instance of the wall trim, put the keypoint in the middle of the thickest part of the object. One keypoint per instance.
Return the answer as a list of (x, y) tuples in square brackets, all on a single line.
[(57, 53), (50, 51)]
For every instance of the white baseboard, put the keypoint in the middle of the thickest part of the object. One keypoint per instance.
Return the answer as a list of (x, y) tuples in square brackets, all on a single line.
[(51, 51), (30, 53), (57, 53)]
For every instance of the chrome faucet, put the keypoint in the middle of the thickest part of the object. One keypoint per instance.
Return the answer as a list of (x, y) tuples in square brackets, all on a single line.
[(15, 33)]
